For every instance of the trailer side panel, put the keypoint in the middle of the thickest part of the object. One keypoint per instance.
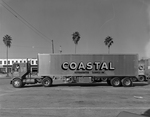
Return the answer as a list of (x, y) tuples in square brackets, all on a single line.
[(88, 64)]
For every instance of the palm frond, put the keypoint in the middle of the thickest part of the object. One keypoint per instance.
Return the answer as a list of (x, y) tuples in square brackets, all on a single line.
[(7, 40), (76, 37), (108, 41)]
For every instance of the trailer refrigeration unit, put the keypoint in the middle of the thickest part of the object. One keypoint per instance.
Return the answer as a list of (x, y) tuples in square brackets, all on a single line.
[(119, 69), (144, 70)]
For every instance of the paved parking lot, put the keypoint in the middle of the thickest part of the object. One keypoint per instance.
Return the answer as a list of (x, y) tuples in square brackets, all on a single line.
[(78, 100)]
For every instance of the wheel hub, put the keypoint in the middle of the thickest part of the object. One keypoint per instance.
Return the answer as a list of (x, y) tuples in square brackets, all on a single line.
[(127, 82), (116, 82), (47, 82), (16, 83)]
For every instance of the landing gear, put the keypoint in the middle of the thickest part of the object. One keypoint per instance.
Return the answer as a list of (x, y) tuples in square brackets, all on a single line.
[(93, 80), (104, 79)]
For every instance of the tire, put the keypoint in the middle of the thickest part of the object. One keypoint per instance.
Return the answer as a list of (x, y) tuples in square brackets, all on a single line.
[(47, 82), (17, 83), (115, 82), (108, 82), (127, 82), (141, 78)]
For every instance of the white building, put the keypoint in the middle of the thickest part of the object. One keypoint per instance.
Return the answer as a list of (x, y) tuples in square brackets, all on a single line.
[(3, 64)]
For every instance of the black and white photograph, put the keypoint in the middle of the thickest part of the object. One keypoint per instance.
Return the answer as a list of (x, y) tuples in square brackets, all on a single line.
[(74, 58)]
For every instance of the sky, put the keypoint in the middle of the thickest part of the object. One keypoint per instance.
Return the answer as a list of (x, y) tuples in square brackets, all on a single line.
[(32, 24)]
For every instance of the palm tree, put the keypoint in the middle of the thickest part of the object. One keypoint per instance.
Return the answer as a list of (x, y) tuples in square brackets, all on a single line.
[(7, 41), (76, 38), (108, 42)]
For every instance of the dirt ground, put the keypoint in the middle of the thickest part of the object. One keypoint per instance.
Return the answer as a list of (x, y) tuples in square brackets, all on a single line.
[(73, 100)]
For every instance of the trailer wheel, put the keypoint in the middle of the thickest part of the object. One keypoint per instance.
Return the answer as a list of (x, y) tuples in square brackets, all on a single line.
[(127, 82), (47, 81), (141, 78), (115, 82), (17, 83)]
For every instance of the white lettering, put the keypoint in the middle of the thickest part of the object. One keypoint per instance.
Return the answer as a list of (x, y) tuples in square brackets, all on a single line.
[(104, 66), (110, 66), (73, 65), (81, 66), (89, 66), (96, 65), (65, 66)]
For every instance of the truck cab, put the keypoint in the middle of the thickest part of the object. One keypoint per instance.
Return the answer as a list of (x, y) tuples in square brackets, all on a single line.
[(19, 73)]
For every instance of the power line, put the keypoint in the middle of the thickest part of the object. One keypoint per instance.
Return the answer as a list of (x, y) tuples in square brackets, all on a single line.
[(13, 12), (25, 46)]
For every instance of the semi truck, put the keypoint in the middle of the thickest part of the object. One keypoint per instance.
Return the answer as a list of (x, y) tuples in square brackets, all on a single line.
[(116, 69)]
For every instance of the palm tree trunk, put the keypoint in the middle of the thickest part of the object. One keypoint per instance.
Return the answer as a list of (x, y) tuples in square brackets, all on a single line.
[(7, 61), (108, 50), (75, 48)]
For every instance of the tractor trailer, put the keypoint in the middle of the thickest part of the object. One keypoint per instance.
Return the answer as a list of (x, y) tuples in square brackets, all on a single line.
[(116, 69)]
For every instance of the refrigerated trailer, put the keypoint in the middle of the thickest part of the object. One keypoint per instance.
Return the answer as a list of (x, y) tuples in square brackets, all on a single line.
[(118, 69)]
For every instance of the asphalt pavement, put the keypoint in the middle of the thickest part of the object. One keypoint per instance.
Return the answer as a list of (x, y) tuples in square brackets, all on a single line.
[(72, 100)]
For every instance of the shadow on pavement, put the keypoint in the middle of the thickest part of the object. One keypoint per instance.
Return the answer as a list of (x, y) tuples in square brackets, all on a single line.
[(140, 84), (81, 85), (147, 113), (33, 85), (96, 84), (66, 85)]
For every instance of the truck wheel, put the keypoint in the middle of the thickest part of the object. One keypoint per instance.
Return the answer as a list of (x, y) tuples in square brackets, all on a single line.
[(108, 82), (141, 78), (46, 82), (17, 83), (127, 82), (115, 82)]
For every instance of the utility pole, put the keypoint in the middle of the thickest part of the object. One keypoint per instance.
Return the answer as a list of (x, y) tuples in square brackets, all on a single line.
[(52, 46)]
